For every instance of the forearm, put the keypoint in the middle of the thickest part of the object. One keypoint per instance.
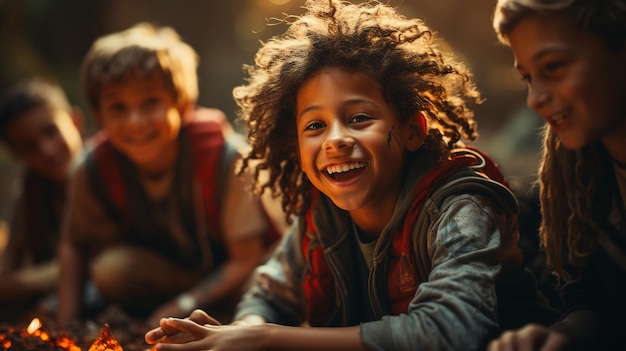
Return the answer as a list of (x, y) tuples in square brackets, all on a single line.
[(193, 334), (314, 339)]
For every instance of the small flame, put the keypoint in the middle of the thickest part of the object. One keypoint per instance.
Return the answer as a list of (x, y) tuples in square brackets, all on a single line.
[(33, 326), (106, 341)]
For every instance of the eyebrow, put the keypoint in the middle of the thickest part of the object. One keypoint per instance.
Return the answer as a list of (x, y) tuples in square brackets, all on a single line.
[(539, 55), (348, 102), (308, 109)]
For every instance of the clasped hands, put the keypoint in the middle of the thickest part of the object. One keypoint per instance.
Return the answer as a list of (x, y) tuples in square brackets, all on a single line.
[(200, 331)]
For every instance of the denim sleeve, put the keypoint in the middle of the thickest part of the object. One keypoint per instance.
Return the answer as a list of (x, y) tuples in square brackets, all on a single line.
[(455, 309)]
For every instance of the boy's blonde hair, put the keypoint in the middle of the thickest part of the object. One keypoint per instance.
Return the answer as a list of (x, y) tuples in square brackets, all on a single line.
[(141, 51)]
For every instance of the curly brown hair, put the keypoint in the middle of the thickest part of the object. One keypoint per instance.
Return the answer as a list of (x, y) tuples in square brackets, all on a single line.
[(571, 229), (401, 54)]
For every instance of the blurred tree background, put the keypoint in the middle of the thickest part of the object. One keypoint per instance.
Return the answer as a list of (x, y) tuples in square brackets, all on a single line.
[(49, 38)]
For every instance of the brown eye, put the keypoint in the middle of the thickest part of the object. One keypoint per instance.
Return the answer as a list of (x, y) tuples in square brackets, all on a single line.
[(361, 117)]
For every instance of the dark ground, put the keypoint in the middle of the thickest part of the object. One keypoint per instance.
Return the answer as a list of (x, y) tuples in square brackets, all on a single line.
[(127, 330)]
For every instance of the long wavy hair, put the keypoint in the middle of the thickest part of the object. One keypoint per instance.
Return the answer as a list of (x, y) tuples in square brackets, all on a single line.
[(399, 53), (573, 183)]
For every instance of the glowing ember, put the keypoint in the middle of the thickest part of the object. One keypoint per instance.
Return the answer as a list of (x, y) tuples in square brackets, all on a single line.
[(106, 341), (33, 326), (35, 338)]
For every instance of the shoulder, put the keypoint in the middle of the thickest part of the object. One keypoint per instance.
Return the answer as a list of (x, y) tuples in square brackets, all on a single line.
[(473, 172), (468, 204), (209, 114), (470, 182), (205, 116), (472, 201)]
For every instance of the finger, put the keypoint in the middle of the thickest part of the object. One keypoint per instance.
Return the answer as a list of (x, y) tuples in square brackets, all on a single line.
[(196, 345), (187, 326), (506, 341), (201, 317), (494, 345), (180, 338), (168, 333), (188, 332), (173, 347), (531, 337), (152, 336), (166, 327)]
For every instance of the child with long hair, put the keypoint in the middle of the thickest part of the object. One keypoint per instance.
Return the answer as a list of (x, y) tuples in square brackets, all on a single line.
[(572, 54), (402, 239)]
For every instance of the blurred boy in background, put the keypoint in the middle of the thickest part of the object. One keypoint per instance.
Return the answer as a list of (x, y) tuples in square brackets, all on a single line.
[(42, 131), (156, 215)]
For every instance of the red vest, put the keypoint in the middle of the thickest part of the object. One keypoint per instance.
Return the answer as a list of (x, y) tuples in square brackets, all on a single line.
[(402, 282), (207, 144), (205, 132)]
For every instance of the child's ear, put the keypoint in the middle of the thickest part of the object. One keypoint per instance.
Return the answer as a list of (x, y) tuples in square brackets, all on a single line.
[(416, 127)]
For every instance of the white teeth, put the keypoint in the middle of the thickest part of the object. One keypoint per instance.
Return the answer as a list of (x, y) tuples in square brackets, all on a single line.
[(344, 167), (558, 118)]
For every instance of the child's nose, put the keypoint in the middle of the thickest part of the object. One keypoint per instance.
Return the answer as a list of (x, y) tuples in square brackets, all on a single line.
[(338, 137), (537, 97), (134, 116)]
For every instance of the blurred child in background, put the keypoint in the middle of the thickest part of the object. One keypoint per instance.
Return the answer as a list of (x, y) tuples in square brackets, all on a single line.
[(156, 215), (42, 131)]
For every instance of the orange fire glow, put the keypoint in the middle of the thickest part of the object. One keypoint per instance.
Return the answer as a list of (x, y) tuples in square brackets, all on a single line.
[(106, 341), (35, 331)]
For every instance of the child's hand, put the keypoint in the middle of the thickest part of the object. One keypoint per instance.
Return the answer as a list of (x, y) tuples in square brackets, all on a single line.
[(187, 335), (174, 335), (529, 338)]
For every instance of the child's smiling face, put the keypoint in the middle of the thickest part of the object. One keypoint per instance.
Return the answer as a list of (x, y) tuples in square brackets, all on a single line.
[(142, 120), (47, 140), (575, 82), (351, 143)]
